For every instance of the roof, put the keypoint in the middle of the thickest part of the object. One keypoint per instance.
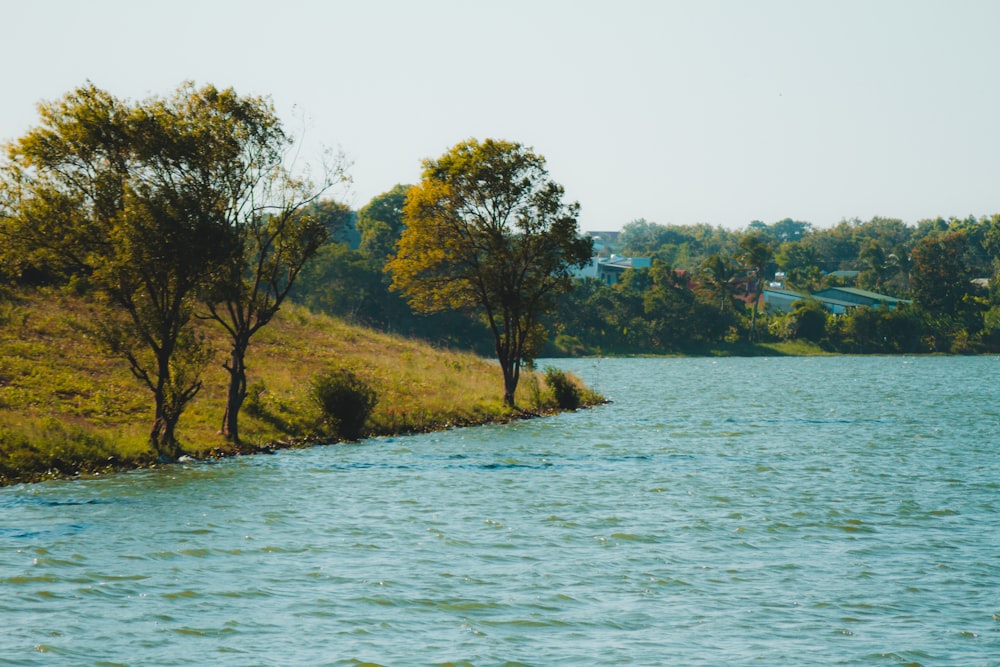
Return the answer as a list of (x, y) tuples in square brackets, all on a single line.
[(865, 294), (788, 293), (618, 262)]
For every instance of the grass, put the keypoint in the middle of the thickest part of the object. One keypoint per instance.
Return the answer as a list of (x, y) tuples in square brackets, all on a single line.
[(790, 348), (67, 408)]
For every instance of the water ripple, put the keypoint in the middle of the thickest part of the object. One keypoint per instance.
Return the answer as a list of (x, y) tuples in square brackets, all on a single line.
[(846, 515)]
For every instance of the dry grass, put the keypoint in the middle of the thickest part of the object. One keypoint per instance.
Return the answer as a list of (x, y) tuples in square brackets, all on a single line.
[(66, 407)]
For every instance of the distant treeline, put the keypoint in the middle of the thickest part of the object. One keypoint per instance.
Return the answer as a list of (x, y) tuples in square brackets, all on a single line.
[(703, 281)]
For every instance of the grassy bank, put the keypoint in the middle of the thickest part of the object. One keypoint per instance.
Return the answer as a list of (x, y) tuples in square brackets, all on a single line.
[(68, 408), (790, 348)]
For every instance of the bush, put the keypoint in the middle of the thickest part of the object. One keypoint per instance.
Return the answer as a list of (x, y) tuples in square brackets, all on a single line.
[(344, 400), (566, 393), (810, 321)]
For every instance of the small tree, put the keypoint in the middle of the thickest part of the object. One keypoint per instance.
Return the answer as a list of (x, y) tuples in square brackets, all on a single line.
[(271, 240), (487, 230)]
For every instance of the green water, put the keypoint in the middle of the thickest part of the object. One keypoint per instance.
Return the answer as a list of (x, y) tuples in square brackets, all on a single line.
[(835, 511)]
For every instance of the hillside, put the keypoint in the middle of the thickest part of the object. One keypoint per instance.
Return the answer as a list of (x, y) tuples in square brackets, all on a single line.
[(67, 407)]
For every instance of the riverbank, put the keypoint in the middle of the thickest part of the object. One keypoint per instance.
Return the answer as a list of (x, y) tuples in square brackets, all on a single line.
[(67, 408)]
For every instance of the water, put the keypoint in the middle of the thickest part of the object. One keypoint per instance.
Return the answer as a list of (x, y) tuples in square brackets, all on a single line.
[(829, 511)]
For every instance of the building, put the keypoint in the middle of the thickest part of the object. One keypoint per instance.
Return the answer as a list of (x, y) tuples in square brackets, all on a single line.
[(836, 300), (609, 269), (853, 297)]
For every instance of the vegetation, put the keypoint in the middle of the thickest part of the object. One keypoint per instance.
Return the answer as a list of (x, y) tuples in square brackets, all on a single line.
[(567, 393), (945, 269), (487, 230), (67, 407), (344, 400), (151, 202), (152, 240)]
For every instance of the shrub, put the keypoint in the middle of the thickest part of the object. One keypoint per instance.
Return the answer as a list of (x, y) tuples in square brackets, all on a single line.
[(344, 400), (566, 393)]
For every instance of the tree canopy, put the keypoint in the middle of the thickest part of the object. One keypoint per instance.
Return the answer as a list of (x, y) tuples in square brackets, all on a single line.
[(143, 200), (487, 230)]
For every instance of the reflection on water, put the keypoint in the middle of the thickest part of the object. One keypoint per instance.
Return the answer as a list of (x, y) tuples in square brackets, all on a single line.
[(735, 511)]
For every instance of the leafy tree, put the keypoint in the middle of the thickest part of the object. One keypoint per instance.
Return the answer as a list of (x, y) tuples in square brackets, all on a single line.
[(380, 222), (641, 237), (720, 277), (345, 283), (878, 267), (886, 232), (273, 239), (134, 198), (836, 247), (941, 280), (487, 229), (800, 262), (756, 256), (336, 217), (782, 231), (676, 316)]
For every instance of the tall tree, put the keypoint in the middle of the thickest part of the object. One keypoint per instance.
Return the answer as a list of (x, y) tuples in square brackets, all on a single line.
[(487, 229), (134, 197), (756, 254), (941, 279), (720, 277)]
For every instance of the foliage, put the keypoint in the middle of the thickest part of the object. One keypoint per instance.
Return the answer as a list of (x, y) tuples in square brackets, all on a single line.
[(756, 254), (719, 278), (566, 393), (336, 217), (487, 230), (941, 279), (272, 238), (345, 402), (133, 197), (380, 223)]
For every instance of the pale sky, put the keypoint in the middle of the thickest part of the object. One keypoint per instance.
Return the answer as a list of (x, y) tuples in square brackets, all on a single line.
[(674, 111)]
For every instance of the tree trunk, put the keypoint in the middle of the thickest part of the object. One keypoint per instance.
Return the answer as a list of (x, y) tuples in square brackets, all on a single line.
[(237, 389), (161, 437), (509, 385), (509, 368), (753, 312)]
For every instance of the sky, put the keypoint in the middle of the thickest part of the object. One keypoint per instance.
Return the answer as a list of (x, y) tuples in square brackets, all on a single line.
[(678, 112)]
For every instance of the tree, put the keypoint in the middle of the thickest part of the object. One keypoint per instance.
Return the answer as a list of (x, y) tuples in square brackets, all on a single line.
[(337, 217), (380, 222), (720, 278), (675, 315), (941, 279), (133, 197), (756, 255), (487, 230), (273, 239), (877, 266)]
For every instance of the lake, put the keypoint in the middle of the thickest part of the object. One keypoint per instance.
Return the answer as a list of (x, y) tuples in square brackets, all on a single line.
[(767, 511)]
